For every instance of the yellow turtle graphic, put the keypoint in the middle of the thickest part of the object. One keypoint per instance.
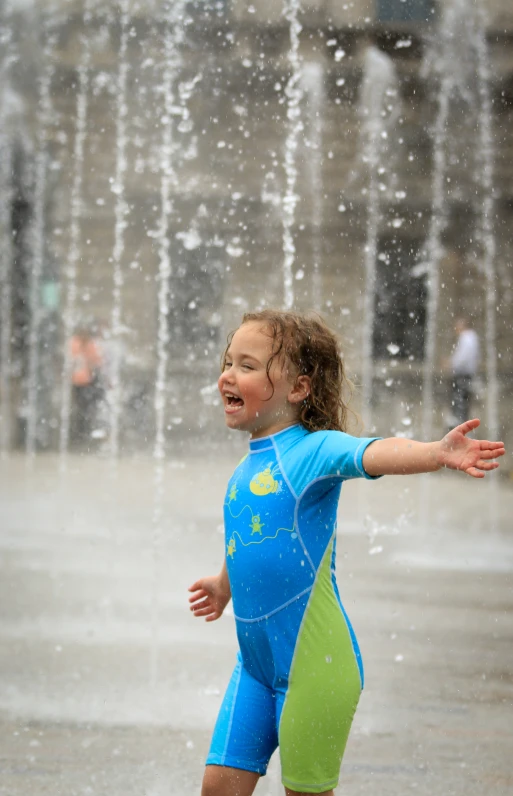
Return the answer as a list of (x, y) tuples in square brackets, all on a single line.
[(231, 547)]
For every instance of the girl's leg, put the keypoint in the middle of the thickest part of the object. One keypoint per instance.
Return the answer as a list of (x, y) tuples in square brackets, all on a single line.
[(225, 781), (244, 737), (323, 691)]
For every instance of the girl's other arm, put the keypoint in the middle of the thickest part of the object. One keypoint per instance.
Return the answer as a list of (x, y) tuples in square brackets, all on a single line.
[(397, 456), (210, 595)]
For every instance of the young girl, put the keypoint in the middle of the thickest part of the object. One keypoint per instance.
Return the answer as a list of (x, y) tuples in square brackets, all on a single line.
[(299, 673)]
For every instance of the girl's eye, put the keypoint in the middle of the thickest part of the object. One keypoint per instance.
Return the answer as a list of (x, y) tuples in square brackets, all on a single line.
[(227, 365), (247, 367)]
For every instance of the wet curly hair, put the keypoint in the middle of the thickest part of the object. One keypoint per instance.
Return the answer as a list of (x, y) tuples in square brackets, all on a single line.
[(308, 344)]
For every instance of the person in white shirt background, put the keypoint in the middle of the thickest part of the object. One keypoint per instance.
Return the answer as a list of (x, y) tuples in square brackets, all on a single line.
[(464, 364)]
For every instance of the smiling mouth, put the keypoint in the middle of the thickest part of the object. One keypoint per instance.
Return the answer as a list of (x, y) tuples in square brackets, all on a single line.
[(233, 401)]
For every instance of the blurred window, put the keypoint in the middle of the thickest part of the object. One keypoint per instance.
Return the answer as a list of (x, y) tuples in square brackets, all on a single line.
[(400, 302), (405, 10)]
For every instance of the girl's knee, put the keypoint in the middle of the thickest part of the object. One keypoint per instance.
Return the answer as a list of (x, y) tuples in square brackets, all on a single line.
[(225, 781)]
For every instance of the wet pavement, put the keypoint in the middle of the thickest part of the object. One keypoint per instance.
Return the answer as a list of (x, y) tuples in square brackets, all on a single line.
[(109, 687)]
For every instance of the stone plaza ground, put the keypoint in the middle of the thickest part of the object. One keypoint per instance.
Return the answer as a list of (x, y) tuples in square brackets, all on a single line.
[(109, 686)]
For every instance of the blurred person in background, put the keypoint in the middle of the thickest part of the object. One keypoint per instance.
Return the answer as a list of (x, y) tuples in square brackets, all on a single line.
[(86, 365)]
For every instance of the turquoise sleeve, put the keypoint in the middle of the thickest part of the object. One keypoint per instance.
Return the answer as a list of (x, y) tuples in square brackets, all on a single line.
[(326, 454)]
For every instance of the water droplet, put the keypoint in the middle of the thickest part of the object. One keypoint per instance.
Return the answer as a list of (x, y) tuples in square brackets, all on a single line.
[(190, 238), (234, 251)]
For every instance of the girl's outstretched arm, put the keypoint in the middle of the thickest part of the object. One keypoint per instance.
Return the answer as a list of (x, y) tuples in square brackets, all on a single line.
[(397, 456), (210, 595)]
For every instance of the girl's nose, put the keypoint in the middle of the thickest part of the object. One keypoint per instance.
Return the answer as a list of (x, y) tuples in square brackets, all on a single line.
[(223, 379)]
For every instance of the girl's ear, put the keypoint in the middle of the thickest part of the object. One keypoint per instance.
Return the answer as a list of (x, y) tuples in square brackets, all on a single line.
[(300, 390)]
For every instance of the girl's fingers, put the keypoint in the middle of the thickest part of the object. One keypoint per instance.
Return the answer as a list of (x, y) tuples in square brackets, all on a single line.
[(200, 585), (204, 611), (482, 465), (199, 605), (488, 454), (197, 596), (477, 470), (469, 425)]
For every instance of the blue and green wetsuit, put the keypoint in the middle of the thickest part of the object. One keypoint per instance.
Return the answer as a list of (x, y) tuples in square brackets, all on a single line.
[(299, 673)]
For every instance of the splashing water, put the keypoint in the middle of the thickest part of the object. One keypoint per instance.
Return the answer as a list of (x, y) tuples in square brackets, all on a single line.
[(5, 286), (38, 232), (486, 157), (6, 249), (172, 65), (458, 78), (451, 81), (120, 224), (294, 94), (434, 252), (7, 109), (378, 86), (313, 86), (74, 252), (485, 149)]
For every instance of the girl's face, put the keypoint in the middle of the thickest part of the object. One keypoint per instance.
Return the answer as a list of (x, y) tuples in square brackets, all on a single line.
[(251, 402)]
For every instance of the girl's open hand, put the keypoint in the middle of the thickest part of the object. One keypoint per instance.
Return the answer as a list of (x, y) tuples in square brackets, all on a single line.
[(210, 597), (472, 456)]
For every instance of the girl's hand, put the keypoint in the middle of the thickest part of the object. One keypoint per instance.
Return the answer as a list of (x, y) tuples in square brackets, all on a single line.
[(472, 456), (210, 596)]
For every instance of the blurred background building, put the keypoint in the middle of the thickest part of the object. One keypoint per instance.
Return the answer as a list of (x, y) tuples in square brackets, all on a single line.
[(167, 166)]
